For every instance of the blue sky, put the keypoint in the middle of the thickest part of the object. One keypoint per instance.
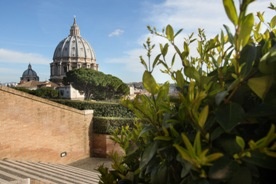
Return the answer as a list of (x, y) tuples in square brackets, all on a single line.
[(116, 29)]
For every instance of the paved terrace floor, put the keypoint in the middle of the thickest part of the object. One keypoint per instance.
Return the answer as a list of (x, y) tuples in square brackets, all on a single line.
[(23, 172)]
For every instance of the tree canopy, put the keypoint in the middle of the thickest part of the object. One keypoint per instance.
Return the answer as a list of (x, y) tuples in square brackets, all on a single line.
[(95, 84)]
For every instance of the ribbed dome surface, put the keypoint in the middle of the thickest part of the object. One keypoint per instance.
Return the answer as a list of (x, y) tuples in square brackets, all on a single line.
[(74, 46), (29, 74)]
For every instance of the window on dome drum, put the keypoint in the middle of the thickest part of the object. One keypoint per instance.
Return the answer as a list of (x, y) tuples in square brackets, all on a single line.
[(61, 92), (65, 69)]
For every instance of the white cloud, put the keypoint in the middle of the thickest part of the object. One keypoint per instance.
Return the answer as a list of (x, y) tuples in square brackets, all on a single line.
[(130, 61), (116, 32), (189, 15), (11, 56)]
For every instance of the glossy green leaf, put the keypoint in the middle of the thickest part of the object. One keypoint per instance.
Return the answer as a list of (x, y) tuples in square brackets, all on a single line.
[(169, 33), (228, 144), (216, 133), (273, 22), (245, 29), (186, 168), (156, 60), (197, 144), (149, 83), (214, 156), (162, 138), (147, 128), (240, 142), (230, 115), (177, 33), (191, 91), (188, 144), (271, 135), (160, 176), (143, 63), (180, 79), (163, 92), (203, 116), (247, 57), (229, 34), (173, 131), (164, 50), (192, 73), (173, 59), (267, 63), (211, 44), (186, 51), (231, 11), (183, 153), (148, 154), (260, 85), (243, 6)]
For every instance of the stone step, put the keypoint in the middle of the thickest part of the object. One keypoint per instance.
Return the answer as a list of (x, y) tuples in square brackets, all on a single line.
[(12, 171), (82, 175)]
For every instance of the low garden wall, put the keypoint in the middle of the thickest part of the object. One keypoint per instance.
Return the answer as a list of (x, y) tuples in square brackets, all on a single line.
[(36, 129)]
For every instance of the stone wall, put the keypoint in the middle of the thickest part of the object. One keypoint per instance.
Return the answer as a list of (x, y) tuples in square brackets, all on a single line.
[(36, 129)]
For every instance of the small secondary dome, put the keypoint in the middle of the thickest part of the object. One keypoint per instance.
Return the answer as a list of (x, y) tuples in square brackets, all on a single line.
[(29, 75), (71, 53)]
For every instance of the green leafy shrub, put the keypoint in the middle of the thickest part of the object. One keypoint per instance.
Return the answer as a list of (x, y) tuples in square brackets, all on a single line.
[(46, 92), (221, 127), (101, 109), (43, 92), (107, 125)]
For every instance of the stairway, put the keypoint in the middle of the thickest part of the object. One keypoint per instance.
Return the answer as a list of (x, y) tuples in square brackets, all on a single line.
[(23, 172)]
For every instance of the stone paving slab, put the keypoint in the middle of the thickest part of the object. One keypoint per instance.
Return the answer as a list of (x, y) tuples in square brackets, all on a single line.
[(91, 164)]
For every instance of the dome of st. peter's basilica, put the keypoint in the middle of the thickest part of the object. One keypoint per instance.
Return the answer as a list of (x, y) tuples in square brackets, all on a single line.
[(71, 53)]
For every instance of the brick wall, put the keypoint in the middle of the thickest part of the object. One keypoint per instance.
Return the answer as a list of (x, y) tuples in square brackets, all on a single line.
[(35, 129), (103, 146)]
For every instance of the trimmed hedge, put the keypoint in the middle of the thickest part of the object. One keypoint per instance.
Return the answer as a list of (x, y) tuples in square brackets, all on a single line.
[(101, 109), (106, 125), (107, 117)]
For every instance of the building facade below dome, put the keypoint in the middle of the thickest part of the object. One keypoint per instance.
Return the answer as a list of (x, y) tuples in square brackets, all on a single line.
[(29, 75), (71, 53)]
